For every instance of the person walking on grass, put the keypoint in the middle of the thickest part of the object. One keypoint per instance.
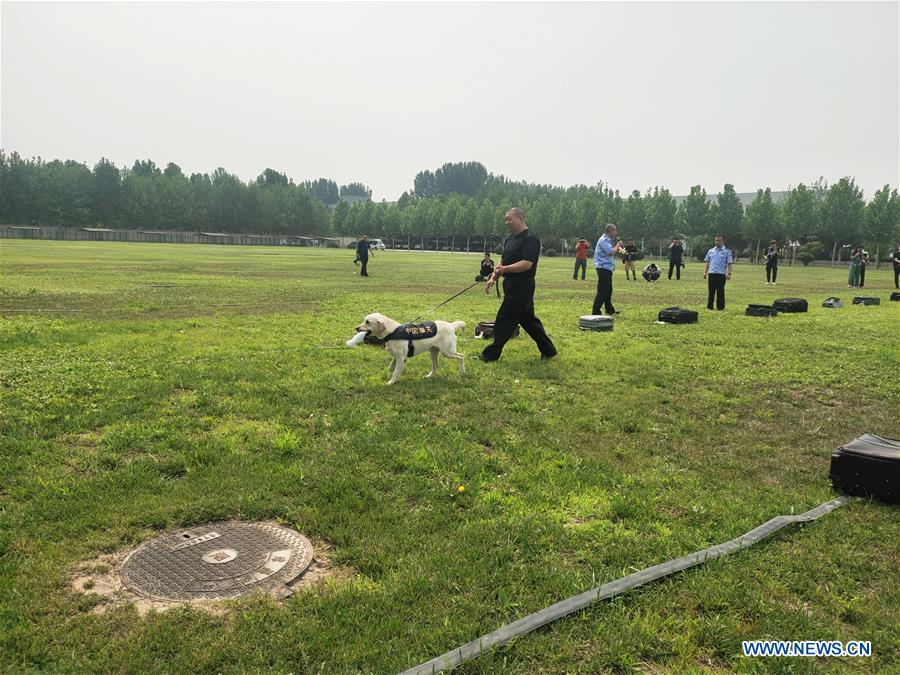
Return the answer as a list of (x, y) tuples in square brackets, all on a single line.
[(772, 254), (719, 263), (855, 262), (605, 264), (362, 254), (676, 252), (518, 266), (580, 258), (628, 257), (895, 258)]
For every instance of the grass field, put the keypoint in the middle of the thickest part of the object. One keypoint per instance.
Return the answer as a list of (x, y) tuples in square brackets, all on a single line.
[(145, 388)]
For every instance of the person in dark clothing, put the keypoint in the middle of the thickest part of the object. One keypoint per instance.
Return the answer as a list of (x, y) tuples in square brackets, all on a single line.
[(895, 257), (676, 252), (518, 266), (772, 254), (628, 257), (863, 261), (362, 254), (487, 269)]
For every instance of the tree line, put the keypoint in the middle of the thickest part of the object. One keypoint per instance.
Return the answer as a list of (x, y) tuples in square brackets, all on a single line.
[(457, 199)]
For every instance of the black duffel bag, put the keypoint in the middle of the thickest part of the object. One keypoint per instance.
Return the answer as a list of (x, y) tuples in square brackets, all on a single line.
[(791, 305), (677, 315), (866, 300), (761, 310), (895, 296), (868, 466)]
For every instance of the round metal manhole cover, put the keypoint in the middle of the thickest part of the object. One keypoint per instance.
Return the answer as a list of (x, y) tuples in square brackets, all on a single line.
[(218, 561)]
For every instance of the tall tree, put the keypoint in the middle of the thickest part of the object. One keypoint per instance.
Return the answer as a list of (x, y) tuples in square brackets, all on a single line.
[(729, 216), (800, 214), (841, 215), (761, 221), (107, 193), (881, 225), (356, 190), (696, 220)]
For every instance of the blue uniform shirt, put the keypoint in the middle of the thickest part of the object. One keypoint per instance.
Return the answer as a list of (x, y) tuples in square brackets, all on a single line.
[(719, 259), (604, 258)]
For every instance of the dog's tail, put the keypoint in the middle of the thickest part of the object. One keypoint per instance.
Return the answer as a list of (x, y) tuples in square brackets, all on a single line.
[(458, 325)]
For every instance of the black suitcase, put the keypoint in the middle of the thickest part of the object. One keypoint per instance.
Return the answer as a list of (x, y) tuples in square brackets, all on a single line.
[(761, 310), (895, 296), (868, 467), (866, 300), (791, 305), (677, 315)]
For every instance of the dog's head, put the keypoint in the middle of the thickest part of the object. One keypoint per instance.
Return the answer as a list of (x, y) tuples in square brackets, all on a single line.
[(375, 324)]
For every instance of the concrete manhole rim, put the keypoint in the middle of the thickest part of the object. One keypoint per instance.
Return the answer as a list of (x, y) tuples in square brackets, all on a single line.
[(298, 548)]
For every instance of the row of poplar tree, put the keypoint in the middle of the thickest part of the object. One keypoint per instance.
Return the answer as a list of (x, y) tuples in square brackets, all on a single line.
[(458, 200)]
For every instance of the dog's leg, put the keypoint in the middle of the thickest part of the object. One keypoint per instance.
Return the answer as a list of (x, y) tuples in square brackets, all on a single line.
[(393, 363), (398, 368), (434, 361)]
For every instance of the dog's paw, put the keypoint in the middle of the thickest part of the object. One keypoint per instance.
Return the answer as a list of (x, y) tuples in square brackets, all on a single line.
[(429, 375)]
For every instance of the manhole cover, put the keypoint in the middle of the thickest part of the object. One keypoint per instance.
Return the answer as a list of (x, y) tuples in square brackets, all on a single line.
[(217, 561)]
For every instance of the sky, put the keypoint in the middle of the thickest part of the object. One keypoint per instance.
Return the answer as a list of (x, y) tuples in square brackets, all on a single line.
[(673, 94)]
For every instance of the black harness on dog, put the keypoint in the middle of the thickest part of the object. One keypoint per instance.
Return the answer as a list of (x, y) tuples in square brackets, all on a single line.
[(410, 332)]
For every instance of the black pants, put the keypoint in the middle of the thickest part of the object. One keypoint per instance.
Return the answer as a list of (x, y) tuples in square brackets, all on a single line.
[(676, 264), (604, 292), (716, 284), (771, 272), (362, 272), (583, 265), (517, 308), (896, 276), (862, 276)]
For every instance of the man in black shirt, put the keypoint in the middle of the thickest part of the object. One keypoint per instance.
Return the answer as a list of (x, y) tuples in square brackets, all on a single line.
[(676, 251), (518, 265), (362, 254)]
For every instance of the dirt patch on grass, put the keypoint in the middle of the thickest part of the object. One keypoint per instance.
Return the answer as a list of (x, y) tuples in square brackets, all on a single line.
[(101, 580)]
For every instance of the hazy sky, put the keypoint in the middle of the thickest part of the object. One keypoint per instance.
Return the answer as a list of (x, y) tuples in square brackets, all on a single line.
[(671, 94)]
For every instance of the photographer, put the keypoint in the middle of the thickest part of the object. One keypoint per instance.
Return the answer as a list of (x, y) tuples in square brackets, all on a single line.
[(487, 269), (772, 254)]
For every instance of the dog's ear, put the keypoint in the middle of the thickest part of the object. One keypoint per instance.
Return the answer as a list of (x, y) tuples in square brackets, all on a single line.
[(378, 325)]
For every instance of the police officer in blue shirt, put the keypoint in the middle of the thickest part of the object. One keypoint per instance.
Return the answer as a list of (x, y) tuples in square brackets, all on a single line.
[(719, 262), (605, 264)]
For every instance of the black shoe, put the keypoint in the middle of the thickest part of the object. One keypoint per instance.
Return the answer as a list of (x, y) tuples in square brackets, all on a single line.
[(614, 312), (483, 358), (545, 357)]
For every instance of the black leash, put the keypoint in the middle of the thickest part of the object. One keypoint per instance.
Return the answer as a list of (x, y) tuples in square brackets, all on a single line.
[(444, 302)]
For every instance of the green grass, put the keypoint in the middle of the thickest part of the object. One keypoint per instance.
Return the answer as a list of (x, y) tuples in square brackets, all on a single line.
[(185, 384)]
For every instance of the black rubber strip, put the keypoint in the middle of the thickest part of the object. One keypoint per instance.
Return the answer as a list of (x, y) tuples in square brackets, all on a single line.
[(563, 608)]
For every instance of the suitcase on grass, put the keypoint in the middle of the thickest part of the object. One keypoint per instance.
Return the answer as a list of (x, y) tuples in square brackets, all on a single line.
[(595, 322), (791, 305), (677, 315), (868, 467), (834, 303), (866, 300), (761, 310), (895, 296), (485, 329)]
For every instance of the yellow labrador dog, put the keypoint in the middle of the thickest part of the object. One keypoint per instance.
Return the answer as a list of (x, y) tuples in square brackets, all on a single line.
[(406, 340)]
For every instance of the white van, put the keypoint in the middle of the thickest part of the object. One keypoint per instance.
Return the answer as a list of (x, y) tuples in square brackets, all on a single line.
[(377, 244)]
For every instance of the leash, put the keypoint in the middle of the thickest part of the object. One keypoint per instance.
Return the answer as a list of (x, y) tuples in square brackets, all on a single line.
[(444, 302)]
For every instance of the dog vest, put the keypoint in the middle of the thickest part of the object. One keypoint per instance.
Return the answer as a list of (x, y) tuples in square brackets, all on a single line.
[(411, 331)]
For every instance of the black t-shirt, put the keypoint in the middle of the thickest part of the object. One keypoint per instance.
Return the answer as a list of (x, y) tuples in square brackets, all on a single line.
[(676, 252), (772, 255), (629, 252), (523, 246), (362, 248), (897, 258)]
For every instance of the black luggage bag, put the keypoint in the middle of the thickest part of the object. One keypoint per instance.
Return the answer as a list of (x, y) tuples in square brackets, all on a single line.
[(868, 467), (895, 296), (677, 315), (866, 300), (761, 310), (791, 305)]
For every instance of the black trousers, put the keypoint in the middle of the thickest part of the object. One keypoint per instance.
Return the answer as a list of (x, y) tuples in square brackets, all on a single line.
[(604, 292), (862, 276), (896, 276), (716, 285), (676, 264), (362, 272), (771, 271), (583, 265), (517, 308)]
